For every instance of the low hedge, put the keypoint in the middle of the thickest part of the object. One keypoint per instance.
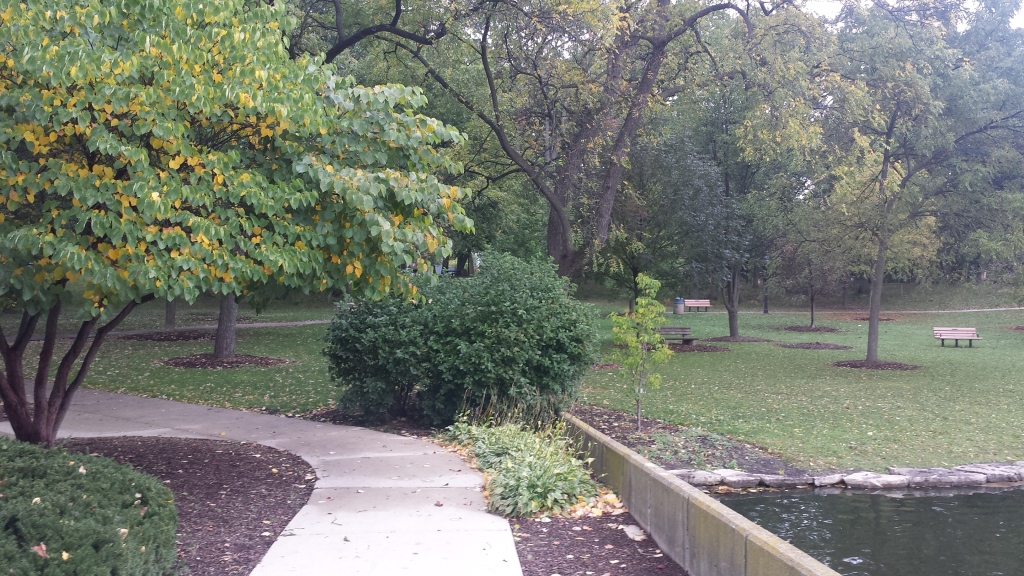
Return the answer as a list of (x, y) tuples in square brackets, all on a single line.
[(68, 513)]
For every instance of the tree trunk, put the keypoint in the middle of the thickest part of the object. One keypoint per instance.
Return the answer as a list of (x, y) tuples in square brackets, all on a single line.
[(875, 301), (169, 312), (462, 268), (731, 299), (812, 309), (38, 422), (224, 345)]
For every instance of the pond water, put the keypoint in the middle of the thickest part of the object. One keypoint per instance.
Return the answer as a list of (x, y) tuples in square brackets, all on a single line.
[(977, 532)]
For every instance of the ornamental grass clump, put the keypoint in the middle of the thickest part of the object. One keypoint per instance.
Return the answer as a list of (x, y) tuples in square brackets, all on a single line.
[(528, 472), (63, 513)]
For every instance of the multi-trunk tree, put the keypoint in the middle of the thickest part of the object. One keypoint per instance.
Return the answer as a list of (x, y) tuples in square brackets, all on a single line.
[(563, 88), (154, 149)]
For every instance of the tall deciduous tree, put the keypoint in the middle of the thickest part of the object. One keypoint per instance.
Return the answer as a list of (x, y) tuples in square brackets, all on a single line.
[(161, 149), (563, 89), (933, 109)]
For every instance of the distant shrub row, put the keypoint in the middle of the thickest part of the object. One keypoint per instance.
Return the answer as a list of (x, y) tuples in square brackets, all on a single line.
[(511, 337), (69, 514)]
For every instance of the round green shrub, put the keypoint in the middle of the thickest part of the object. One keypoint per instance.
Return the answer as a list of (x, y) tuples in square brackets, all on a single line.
[(511, 337), (63, 513)]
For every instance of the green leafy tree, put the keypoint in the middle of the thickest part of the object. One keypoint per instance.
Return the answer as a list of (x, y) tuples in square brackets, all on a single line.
[(162, 149), (644, 346), (563, 88), (932, 110)]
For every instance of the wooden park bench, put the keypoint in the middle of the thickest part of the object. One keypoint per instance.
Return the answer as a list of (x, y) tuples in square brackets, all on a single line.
[(956, 335), (677, 335), (693, 303)]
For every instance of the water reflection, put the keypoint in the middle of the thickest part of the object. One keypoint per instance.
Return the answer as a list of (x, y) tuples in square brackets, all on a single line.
[(970, 532)]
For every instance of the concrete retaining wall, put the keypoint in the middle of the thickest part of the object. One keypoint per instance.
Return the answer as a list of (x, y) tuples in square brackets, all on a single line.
[(704, 536)]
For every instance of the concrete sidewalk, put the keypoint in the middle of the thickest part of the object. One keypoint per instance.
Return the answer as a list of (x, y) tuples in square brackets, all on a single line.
[(383, 504)]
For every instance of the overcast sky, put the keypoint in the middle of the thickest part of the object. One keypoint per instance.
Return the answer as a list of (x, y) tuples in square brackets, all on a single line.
[(831, 7)]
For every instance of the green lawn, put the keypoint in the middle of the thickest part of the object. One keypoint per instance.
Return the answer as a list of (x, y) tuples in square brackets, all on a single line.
[(204, 311), (962, 405), (302, 385)]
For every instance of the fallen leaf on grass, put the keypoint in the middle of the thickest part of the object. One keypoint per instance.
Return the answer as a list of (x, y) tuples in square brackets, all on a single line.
[(41, 550)]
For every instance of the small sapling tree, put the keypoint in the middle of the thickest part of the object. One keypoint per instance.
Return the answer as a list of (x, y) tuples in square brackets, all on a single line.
[(644, 346)]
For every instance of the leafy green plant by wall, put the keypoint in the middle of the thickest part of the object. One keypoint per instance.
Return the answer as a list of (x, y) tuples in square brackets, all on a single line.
[(69, 514), (528, 472), (510, 338), (643, 346)]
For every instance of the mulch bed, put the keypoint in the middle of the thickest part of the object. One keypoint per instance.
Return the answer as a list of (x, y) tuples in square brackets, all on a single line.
[(696, 348), (233, 499), (811, 329), (208, 361), (232, 505), (587, 546), (815, 346), (864, 365), (171, 335), (735, 339), (693, 448)]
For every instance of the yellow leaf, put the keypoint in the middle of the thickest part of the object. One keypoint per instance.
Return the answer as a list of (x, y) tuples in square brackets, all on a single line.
[(175, 163)]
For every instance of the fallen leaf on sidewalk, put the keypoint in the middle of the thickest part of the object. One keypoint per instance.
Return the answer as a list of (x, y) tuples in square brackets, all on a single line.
[(438, 503)]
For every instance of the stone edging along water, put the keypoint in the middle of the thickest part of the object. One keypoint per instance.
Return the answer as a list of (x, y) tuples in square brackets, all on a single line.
[(958, 476), (702, 535)]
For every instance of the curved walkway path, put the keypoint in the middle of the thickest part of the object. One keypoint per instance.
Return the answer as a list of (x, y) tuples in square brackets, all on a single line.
[(384, 505)]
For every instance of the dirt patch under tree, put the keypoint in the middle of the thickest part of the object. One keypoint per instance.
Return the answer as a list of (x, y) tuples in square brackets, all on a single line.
[(878, 365), (207, 361), (811, 329), (815, 346), (735, 339)]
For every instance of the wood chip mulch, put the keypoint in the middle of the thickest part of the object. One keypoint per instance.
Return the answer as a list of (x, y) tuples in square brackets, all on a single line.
[(815, 346), (171, 335), (233, 499), (207, 361), (735, 339), (879, 365), (696, 348), (232, 505), (811, 329), (588, 546), (673, 447)]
